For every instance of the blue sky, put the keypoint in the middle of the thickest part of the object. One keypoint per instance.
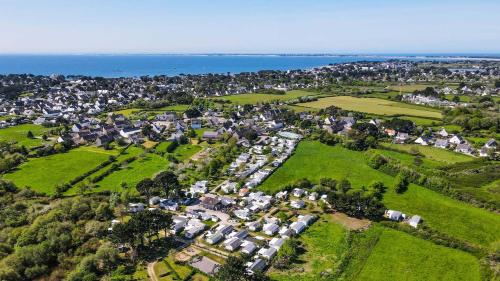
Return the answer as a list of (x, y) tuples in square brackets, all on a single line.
[(251, 26)]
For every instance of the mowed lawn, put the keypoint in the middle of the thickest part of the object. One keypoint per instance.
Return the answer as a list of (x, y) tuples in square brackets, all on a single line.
[(374, 106), (260, 98), (19, 134), (432, 153), (45, 173), (144, 167), (314, 160), (324, 243), (400, 256)]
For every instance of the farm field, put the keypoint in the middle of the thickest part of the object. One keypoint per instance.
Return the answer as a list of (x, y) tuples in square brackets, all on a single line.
[(260, 98), (374, 106), (400, 256), (410, 88), (422, 121), (129, 111), (19, 134), (45, 173), (184, 152), (324, 243), (432, 153), (409, 159), (146, 166), (314, 160)]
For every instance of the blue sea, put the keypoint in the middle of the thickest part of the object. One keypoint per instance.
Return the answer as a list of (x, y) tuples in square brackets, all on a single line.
[(142, 65)]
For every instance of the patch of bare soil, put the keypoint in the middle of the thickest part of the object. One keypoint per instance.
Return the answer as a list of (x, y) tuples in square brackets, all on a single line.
[(186, 254), (350, 222)]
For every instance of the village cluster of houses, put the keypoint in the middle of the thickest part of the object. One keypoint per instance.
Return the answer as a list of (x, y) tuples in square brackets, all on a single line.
[(429, 101), (442, 139)]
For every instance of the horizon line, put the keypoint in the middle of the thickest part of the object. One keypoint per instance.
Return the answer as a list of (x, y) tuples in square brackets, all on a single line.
[(407, 54)]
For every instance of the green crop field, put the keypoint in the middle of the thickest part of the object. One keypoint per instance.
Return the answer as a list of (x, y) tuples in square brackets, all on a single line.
[(432, 153), (19, 134), (400, 256), (45, 173), (374, 106), (260, 98), (314, 160), (145, 166), (324, 243)]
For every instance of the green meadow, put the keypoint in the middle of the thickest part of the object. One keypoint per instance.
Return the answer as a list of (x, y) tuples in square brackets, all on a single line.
[(314, 160), (255, 98), (19, 134), (45, 173), (432, 153), (374, 106), (400, 256), (146, 166)]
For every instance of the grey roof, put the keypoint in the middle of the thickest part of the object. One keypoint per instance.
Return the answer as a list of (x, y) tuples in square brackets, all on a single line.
[(258, 265)]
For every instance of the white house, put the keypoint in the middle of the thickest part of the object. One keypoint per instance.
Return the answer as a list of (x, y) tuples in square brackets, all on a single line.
[(414, 221), (456, 139), (394, 215), (423, 140), (297, 227), (297, 204), (268, 253), (199, 187), (270, 229), (443, 133), (214, 238), (248, 247), (232, 244), (276, 243)]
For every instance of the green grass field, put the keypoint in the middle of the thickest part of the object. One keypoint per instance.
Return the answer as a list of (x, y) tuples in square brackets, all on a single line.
[(314, 160), (19, 134), (260, 98), (144, 167), (45, 173), (422, 121), (129, 111), (374, 106), (400, 256), (432, 153), (185, 151), (324, 243)]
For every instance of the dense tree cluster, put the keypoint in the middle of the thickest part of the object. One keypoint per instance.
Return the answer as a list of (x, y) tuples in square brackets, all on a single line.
[(63, 236), (141, 230)]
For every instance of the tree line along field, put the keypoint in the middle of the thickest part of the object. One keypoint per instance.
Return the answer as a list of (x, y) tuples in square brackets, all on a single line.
[(314, 160), (374, 106), (43, 174), (255, 98), (19, 134)]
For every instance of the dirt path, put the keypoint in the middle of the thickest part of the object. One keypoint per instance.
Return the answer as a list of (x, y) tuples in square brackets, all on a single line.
[(151, 271)]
